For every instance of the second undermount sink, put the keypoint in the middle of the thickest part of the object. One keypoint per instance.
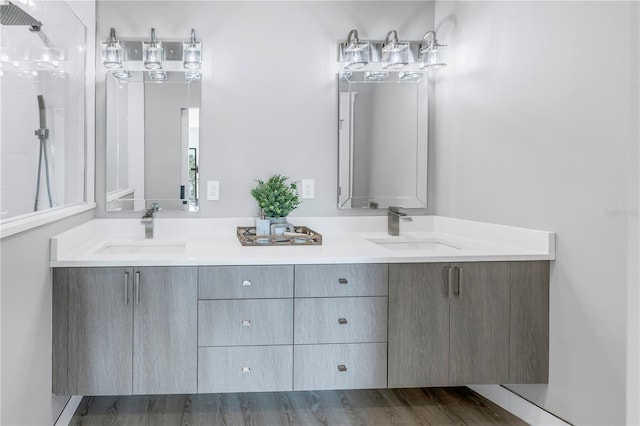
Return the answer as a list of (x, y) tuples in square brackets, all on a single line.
[(142, 247), (422, 244)]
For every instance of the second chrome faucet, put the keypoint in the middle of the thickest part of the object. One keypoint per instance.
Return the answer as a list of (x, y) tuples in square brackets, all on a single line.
[(147, 219), (393, 220)]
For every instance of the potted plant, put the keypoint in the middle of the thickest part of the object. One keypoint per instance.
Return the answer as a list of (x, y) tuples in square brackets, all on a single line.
[(276, 197)]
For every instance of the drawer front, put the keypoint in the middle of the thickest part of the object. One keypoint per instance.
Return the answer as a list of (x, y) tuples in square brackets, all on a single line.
[(340, 320), (354, 366), (245, 282), (342, 280), (245, 369), (245, 322)]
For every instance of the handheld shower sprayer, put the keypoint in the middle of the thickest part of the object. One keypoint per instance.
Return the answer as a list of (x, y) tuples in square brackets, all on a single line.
[(42, 134)]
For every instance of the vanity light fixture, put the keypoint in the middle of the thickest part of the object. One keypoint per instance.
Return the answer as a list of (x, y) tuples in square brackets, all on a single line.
[(376, 75), (192, 52), (192, 75), (430, 55), (121, 74), (395, 54), (112, 51), (157, 75), (152, 52), (355, 53)]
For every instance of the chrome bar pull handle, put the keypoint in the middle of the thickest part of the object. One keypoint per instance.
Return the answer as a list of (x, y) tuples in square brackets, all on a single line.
[(136, 287), (342, 368), (126, 288), (342, 321), (343, 281), (458, 291)]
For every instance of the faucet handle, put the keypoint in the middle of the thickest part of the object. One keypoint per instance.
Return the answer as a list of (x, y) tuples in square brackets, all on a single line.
[(396, 211)]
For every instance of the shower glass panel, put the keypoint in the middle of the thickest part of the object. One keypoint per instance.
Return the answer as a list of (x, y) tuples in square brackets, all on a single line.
[(42, 110)]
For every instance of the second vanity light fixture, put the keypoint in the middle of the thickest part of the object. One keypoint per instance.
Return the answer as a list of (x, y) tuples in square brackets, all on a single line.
[(154, 56), (376, 58)]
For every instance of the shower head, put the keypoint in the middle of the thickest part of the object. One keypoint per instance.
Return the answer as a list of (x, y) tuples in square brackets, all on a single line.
[(10, 14)]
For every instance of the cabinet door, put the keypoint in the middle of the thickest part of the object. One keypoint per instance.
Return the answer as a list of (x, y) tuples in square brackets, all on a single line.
[(100, 331), (165, 348), (479, 322), (418, 325), (529, 352)]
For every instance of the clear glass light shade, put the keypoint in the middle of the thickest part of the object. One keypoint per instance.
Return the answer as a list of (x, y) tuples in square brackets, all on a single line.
[(192, 75), (112, 54), (395, 55), (192, 55), (431, 57), (152, 54), (158, 75), (356, 55), (121, 74), (376, 75)]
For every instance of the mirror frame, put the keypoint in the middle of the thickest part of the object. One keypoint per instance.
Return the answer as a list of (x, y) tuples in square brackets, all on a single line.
[(415, 197), (120, 153)]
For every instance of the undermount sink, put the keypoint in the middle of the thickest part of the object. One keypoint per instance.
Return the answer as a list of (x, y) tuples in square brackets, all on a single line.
[(422, 244), (143, 247)]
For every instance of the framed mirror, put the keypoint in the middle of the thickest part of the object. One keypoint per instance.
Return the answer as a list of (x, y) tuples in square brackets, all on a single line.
[(382, 140), (152, 141)]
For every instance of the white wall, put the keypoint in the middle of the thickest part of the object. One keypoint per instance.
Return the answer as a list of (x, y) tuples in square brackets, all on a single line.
[(269, 88), (537, 125), (25, 277)]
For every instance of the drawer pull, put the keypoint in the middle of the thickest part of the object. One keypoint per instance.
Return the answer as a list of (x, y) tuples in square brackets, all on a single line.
[(343, 281), (246, 370), (342, 320), (342, 368), (246, 283), (246, 323)]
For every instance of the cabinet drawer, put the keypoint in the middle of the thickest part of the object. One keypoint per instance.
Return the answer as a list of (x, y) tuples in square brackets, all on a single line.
[(245, 322), (245, 369), (341, 280), (354, 366), (245, 282), (340, 320)]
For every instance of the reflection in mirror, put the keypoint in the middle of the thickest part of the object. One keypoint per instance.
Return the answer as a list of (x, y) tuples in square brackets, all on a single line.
[(382, 140), (153, 136)]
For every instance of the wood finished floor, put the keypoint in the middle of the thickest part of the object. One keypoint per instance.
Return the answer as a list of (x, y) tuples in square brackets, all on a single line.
[(432, 406)]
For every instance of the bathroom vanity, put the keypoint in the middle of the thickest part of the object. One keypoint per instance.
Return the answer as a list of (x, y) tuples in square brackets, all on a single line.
[(193, 311)]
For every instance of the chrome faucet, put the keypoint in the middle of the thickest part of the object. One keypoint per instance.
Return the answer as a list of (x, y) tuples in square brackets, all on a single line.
[(393, 220), (147, 220)]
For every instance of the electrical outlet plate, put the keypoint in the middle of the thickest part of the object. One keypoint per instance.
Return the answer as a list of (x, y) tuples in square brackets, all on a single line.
[(308, 188)]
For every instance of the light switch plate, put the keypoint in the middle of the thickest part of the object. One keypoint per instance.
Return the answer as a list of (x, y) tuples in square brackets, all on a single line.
[(213, 190)]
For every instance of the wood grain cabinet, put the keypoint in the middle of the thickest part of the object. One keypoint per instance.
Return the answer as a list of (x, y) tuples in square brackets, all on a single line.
[(340, 326), (127, 330), (468, 323), (245, 328)]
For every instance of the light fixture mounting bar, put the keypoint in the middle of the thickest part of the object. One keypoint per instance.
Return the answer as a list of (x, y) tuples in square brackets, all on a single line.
[(376, 50), (133, 50)]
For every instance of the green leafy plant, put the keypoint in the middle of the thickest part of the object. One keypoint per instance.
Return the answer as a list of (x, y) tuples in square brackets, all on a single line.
[(276, 197)]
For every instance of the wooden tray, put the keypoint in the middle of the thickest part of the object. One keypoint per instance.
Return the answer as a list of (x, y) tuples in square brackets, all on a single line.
[(304, 237)]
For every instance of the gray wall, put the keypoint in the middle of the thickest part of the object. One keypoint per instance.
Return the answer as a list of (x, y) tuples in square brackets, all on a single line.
[(26, 301), (537, 126), (269, 88)]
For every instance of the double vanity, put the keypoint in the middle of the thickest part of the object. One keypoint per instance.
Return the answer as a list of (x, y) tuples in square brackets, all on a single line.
[(447, 302)]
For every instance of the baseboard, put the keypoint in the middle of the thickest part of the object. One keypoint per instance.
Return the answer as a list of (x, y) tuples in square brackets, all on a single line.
[(518, 406), (72, 405)]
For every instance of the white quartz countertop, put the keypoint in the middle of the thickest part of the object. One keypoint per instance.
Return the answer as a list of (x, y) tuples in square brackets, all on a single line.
[(344, 240)]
